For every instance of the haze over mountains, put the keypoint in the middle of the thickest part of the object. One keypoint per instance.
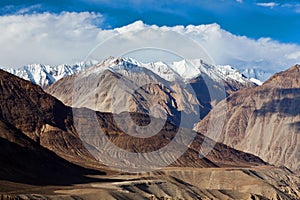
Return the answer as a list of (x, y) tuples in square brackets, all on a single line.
[(261, 127)]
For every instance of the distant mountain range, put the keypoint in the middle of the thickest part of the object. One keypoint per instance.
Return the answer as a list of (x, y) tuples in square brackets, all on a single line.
[(187, 86), (45, 75)]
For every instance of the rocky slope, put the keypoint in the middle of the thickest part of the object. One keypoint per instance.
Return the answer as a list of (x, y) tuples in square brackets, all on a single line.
[(24, 161), (141, 152), (123, 84), (265, 120), (55, 126), (25, 109), (40, 116)]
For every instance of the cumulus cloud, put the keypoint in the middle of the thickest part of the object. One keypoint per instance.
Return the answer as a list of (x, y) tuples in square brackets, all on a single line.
[(69, 37), (243, 52), (47, 38), (295, 55)]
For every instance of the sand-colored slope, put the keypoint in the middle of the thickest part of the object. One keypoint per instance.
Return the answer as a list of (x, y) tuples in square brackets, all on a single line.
[(265, 120)]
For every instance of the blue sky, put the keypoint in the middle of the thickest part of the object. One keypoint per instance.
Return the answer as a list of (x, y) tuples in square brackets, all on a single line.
[(279, 20)]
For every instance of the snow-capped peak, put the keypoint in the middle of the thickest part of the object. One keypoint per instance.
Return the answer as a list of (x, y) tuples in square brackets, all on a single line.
[(45, 75), (186, 70), (189, 69)]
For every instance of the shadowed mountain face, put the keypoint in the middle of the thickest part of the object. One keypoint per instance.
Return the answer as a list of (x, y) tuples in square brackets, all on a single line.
[(24, 161), (48, 122), (39, 115), (265, 120)]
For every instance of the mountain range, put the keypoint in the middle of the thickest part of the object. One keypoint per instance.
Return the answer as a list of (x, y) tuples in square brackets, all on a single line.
[(58, 134), (121, 84), (45, 75), (51, 124)]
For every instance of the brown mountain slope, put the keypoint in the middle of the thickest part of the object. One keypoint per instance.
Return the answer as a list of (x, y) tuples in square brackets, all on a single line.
[(47, 121), (220, 155), (39, 115), (264, 121), (24, 161), (108, 87)]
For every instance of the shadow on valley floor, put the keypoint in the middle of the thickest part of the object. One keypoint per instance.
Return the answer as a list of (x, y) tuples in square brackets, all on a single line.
[(39, 166)]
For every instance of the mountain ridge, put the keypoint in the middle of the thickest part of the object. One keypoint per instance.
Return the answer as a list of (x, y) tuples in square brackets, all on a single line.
[(45, 75), (53, 125), (264, 120), (187, 86)]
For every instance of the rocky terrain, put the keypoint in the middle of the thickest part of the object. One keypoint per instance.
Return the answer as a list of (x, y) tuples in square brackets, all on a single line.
[(174, 183), (52, 151), (24, 161), (59, 128), (124, 84), (264, 121)]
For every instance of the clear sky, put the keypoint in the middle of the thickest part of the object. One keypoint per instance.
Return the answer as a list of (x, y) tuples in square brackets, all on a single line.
[(31, 29)]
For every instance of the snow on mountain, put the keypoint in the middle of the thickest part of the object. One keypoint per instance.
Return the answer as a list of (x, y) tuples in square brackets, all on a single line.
[(256, 74), (184, 69), (45, 75), (189, 69), (256, 81), (126, 65), (160, 68)]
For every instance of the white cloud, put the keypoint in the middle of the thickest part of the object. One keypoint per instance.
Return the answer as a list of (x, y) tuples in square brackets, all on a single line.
[(295, 55), (269, 4), (46, 38), (239, 1), (69, 37)]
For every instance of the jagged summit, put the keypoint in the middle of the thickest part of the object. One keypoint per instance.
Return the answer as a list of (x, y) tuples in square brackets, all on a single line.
[(45, 75), (185, 69)]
